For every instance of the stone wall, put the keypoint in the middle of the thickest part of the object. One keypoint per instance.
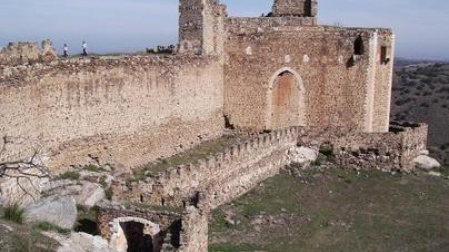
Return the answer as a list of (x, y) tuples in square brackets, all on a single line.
[(184, 229), (195, 226), (339, 87), (394, 150), (222, 177), (109, 212), (302, 8), (383, 80), (118, 110), (228, 175), (27, 53)]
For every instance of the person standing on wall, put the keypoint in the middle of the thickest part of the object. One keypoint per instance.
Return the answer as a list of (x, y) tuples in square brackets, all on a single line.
[(84, 48), (66, 51)]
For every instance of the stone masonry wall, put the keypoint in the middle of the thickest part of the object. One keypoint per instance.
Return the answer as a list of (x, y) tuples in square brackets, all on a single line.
[(228, 175), (383, 81), (108, 213), (185, 230), (338, 87), (223, 177), (394, 150), (118, 110)]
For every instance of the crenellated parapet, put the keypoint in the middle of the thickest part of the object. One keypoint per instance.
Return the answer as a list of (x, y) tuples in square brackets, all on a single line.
[(223, 176)]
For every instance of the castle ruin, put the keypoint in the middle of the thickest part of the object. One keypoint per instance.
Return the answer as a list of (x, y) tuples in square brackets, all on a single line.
[(281, 75)]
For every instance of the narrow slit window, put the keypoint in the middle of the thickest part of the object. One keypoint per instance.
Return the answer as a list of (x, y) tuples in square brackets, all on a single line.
[(384, 55), (358, 46)]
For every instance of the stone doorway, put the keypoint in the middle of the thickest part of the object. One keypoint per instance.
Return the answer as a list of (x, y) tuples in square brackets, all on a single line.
[(284, 101), (135, 235), (136, 239)]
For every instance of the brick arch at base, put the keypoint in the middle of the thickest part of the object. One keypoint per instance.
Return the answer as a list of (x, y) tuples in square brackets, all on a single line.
[(286, 99)]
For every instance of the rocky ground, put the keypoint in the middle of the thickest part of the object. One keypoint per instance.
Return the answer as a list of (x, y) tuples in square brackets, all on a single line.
[(61, 214), (66, 206), (330, 208)]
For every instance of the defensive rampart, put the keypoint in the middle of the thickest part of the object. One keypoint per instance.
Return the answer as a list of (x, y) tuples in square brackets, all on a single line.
[(223, 177), (118, 110), (234, 172)]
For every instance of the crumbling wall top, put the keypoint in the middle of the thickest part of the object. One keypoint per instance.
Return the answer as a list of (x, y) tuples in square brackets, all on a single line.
[(295, 8), (27, 53)]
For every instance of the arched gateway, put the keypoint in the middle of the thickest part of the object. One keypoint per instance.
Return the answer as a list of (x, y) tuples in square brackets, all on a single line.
[(285, 100)]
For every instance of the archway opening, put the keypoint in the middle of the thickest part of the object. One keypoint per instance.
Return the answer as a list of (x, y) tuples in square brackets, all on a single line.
[(136, 238), (285, 101)]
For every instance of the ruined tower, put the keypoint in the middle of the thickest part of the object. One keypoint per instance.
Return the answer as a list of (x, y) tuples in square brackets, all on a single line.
[(295, 8), (201, 27)]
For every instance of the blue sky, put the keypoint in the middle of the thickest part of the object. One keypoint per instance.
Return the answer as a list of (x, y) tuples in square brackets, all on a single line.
[(130, 25)]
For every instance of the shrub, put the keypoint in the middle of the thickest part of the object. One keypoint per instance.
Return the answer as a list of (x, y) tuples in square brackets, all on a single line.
[(71, 175), (14, 213), (108, 193), (103, 182), (46, 226), (93, 168)]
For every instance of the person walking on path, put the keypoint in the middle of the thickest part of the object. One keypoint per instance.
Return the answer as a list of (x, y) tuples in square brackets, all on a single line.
[(84, 48), (66, 51)]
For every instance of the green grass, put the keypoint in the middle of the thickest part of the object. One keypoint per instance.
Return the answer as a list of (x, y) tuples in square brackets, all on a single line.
[(23, 238), (108, 192), (337, 210), (191, 156), (14, 213), (93, 168), (103, 182), (45, 226)]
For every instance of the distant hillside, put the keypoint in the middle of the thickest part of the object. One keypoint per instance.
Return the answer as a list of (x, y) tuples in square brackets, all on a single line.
[(403, 62), (421, 94)]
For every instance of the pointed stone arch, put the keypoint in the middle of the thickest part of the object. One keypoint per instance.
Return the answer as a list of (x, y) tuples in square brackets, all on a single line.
[(286, 100)]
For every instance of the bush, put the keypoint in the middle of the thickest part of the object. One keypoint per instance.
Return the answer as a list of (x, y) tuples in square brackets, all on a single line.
[(108, 193), (71, 175), (46, 226), (14, 213), (93, 168)]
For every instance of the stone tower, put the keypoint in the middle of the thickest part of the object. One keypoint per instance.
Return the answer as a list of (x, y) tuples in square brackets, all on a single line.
[(295, 8), (201, 27)]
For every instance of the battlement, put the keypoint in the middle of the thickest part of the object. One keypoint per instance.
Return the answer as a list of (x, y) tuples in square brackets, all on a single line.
[(215, 173)]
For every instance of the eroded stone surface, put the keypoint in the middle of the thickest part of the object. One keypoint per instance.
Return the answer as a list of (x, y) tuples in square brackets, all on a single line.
[(426, 163), (58, 210), (82, 242)]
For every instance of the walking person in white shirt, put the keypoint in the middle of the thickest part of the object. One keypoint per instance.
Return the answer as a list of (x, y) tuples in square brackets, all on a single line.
[(84, 48), (66, 51)]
